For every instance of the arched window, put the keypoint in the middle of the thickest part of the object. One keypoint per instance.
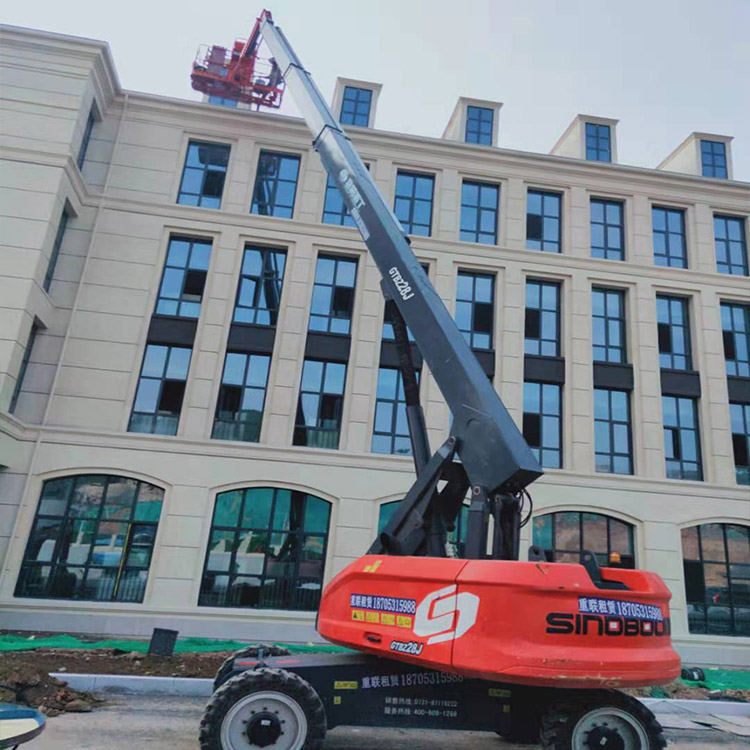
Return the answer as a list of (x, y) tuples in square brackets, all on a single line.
[(267, 550), (457, 537), (716, 559), (92, 539), (564, 535)]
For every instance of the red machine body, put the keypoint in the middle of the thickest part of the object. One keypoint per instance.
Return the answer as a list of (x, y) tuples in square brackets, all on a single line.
[(239, 73), (534, 623)]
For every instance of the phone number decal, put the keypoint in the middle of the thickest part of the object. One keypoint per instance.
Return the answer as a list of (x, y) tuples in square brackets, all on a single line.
[(383, 604)]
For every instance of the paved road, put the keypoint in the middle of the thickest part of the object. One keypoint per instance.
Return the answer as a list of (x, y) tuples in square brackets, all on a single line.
[(168, 723)]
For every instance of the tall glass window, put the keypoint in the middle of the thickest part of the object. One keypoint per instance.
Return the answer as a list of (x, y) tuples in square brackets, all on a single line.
[(731, 246), (161, 388), (714, 159), (24, 366), (92, 539), (542, 422), (608, 318), (716, 561), (543, 223), (672, 314), (413, 204), (261, 279), (333, 294), (267, 550), (598, 142), (479, 125), (55, 254), (204, 174), (239, 411), (475, 308), (740, 418), (391, 431), (607, 229), (184, 277), (613, 442), (90, 122), (681, 438), (355, 107), (275, 185), (321, 403), (564, 535), (542, 320), (670, 248), (735, 324), (479, 208)]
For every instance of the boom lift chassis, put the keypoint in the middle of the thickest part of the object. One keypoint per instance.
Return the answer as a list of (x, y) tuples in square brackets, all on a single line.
[(266, 698)]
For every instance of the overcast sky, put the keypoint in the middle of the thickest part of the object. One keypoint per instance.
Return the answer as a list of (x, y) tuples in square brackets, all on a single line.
[(664, 68)]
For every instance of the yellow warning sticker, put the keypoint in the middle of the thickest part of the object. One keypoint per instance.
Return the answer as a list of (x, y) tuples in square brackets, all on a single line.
[(387, 619), (499, 693), (345, 685), (358, 614), (372, 617), (373, 568), (506, 708), (403, 622), (336, 700)]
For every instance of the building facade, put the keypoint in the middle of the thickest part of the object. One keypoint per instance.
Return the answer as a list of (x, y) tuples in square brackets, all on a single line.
[(201, 420)]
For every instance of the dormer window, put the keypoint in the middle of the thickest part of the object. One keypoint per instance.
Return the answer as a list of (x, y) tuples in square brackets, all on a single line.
[(598, 142), (479, 125), (355, 106), (714, 159)]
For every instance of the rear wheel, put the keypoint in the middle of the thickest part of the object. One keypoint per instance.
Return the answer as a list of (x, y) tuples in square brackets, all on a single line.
[(600, 720), (264, 708), (246, 652)]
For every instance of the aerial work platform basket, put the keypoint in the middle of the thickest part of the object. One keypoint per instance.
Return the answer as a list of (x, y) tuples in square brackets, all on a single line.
[(239, 73)]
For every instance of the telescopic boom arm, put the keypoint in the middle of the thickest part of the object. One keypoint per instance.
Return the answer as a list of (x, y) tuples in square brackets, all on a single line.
[(494, 455)]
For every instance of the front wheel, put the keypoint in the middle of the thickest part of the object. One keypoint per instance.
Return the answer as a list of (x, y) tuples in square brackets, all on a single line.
[(600, 720), (264, 708)]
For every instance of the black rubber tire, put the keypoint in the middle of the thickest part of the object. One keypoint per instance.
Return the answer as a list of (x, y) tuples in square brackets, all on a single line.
[(563, 714), (225, 670), (253, 681)]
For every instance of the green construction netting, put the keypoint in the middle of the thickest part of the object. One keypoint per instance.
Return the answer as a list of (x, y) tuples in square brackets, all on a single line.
[(183, 646), (723, 679)]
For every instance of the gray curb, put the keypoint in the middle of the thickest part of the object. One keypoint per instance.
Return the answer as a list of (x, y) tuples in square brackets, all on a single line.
[(193, 686)]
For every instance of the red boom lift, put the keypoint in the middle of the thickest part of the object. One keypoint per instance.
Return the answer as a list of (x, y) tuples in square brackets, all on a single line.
[(531, 650)]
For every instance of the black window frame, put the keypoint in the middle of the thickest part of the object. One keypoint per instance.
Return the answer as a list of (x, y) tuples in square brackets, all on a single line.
[(714, 159), (673, 239), (194, 276), (322, 437), (735, 338), (272, 270), (739, 420), (54, 255), (674, 445), (397, 405), (613, 353), (270, 181), (534, 317), (295, 539), (606, 457), (59, 578), (598, 143), (411, 198), (471, 333), (341, 296), (476, 234), (556, 553), (246, 424), (358, 98), (534, 424), (701, 601), (724, 245), (538, 222), (607, 250), (476, 125), (18, 386), (208, 168), (178, 395), (670, 330)]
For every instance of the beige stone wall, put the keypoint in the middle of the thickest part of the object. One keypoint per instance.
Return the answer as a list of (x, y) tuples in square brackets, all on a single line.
[(78, 392)]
